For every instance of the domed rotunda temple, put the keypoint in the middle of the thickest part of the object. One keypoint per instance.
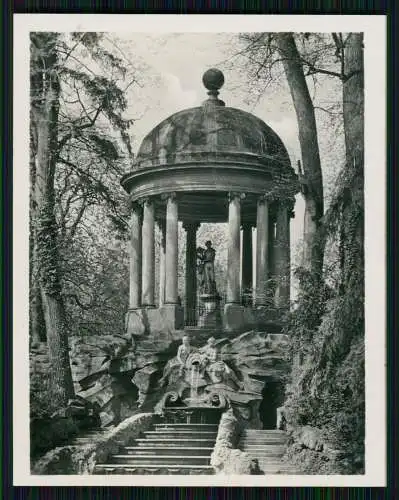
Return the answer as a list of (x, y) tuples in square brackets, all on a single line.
[(210, 164)]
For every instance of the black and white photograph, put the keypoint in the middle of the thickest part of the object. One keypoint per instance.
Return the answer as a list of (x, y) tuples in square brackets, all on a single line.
[(200, 225)]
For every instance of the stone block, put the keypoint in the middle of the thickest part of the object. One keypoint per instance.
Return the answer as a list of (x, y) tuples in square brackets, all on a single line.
[(172, 317), (146, 320), (237, 318), (145, 378), (137, 322)]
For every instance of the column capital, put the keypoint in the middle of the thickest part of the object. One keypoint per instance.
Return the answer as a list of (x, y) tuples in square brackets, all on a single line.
[(171, 195), (247, 225), (135, 206), (269, 197), (264, 198), (287, 203), (193, 225), (235, 194), (147, 201)]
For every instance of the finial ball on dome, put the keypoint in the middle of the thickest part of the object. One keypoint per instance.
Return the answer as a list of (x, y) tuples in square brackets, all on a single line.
[(213, 79)]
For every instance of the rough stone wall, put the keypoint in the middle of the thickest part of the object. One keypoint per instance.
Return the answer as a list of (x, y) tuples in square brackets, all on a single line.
[(121, 374), (311, 453), (82, 459), (226, 458)]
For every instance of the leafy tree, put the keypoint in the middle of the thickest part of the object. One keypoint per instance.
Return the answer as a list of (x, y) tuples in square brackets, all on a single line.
[(327, 326), (313, 187), (327, 388), (76, 158), (45, 92)]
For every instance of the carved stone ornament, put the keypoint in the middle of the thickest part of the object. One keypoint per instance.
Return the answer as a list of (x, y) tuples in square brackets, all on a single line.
[(234, 194), (145, 201), (166, 196)]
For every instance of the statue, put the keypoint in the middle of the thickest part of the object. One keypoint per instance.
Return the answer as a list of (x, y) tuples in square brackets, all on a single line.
[(216, 369), (206, 271), (200, 269), (207, 361), (183, 352), (209, 270), (209, 353)]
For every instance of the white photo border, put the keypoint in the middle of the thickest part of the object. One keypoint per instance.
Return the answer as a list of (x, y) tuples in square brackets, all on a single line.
[(374, 29)]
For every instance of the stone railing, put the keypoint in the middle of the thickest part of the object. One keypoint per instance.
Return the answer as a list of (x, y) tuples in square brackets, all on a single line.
[(226, 458), (82, 459)]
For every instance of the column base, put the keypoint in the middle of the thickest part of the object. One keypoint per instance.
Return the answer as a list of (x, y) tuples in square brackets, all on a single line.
[(148, 320), (237, 318), (281, 299), (172, 316)]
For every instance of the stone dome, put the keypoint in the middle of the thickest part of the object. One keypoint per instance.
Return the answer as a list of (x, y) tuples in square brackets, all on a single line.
[(208, 151), (209, 132)]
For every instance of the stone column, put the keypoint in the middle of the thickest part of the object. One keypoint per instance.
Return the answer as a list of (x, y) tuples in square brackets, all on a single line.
[(246, 278), (262, 233), (148, 255), (271, 258), (191, 271), (162, 254), (135, 258), (233, 246), (282, 247), (171, 258)]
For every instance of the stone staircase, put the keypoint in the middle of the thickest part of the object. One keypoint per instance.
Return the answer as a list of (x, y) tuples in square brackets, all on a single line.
[(268, 446), (166, 449), (90, 436)]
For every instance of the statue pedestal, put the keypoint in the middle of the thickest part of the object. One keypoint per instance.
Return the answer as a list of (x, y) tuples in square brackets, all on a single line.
[(210, 316)]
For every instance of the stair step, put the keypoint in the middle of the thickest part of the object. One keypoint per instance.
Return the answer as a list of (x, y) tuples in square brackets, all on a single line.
[(161, 442), (153, 469), (270, 448), (265, 439), (178, 433), (265, 453), (263, 431), (263, 435), (187, 426), (80, 440), (165, 459), (167, 450), (262, 445)]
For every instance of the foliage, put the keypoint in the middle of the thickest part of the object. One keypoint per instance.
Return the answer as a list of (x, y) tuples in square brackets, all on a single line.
[(47, 432), (90, 154), (44, 401), (327, 324), (95, 279), (327, 329)]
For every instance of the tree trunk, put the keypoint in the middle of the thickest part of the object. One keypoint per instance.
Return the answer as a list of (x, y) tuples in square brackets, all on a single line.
[(352, 240), (353, 98), (312, 259), (45, 110), (37, 327)]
